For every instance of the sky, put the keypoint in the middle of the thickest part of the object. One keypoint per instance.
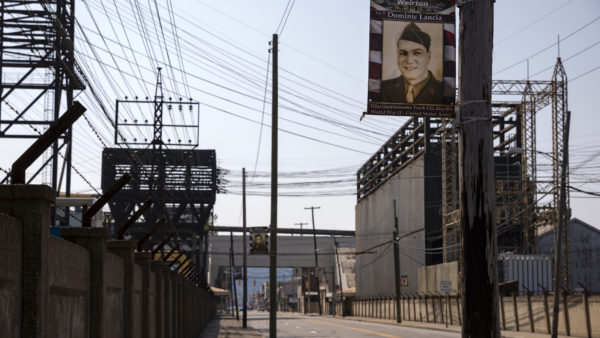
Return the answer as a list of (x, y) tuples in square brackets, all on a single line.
[(220, 56)]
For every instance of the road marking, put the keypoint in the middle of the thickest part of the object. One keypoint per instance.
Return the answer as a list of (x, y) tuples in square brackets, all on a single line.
[(298, 327), (355, 328), (313, 332)]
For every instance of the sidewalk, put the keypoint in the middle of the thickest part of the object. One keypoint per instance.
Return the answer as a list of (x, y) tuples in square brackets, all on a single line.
[(440, 327), (225, 325)]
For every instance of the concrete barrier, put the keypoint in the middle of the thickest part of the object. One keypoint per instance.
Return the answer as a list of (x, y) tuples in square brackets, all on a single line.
[(517, 312), (10, 276), (85, 285)]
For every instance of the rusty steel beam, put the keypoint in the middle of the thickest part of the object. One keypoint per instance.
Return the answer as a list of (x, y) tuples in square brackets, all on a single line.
[(176, 258), (178, 269), (149, 234), (45, 141), (107, 196), (187, 268), (162, 244), (170, 253), (134, 218)]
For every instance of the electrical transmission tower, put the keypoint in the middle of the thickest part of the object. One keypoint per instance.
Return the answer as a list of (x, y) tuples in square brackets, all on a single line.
[(559, 156), (159, 136), (37, 63), (518, 191)]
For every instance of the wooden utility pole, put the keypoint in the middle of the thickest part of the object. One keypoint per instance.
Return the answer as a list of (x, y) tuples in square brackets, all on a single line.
[(232, 267), (397, 267), (560, 229), (300, 224), (273, 228), (337, 257), (477, 189), (245, 262), (312, 210)]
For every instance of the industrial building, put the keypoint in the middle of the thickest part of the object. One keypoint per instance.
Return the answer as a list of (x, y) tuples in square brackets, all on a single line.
[(584, 256), (413, 180)]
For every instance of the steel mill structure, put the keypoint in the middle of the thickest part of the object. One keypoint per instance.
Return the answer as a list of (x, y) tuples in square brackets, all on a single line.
[(524, 204)]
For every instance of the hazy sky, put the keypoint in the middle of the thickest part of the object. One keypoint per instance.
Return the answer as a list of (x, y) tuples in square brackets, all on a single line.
[(223, 47)]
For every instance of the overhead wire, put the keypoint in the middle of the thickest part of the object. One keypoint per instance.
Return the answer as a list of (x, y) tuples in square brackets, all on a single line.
[(286, 16), (237, 58), (548, 47)]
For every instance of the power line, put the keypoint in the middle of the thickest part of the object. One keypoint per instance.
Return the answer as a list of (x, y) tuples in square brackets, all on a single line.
[(547, 47), (520, 30), (286, 16)]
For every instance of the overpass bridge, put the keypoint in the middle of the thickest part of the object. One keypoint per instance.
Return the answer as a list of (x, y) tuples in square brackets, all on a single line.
[(292, 251)]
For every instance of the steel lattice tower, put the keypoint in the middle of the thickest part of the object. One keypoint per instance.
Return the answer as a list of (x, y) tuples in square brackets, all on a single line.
[(559, 120), (519, 201), (450, 205), (36, 40)]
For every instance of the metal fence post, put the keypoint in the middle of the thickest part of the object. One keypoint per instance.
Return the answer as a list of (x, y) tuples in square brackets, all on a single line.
[(516, 311), (529, 309), (449, 309), (426, 308), (458, 308), (420, 309), (566, 307), (44, 141), (502, 312), (441, 307), (588, 323)]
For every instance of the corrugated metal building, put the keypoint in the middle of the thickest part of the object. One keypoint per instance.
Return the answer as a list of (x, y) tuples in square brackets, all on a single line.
[(532, 272), (585, 254)]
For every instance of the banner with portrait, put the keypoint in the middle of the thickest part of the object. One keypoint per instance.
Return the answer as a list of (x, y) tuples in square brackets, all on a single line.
[(259, 244), (412, 63)]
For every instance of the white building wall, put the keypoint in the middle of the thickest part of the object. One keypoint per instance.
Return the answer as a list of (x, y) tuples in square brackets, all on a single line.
[(375, 225)]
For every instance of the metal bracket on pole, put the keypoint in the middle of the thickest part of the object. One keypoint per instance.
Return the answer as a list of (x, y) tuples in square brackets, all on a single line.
[(86, 220), (134, 218), (159, 223), (45, 141)]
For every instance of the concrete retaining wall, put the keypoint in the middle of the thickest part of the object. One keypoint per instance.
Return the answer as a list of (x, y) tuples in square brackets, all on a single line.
[(514, 312), (10, 276), (113, 281), (69, 281), (74, 287), (432, 277)]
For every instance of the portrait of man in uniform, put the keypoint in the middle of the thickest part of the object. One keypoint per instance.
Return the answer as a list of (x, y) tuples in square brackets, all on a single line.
[(259, 243), (414, 61)]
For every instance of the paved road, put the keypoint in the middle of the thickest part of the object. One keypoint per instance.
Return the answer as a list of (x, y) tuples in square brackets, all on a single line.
[(297, 325)]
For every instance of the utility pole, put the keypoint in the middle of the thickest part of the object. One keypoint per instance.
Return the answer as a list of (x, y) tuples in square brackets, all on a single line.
[(273, 228), (312, 210), (397, 267), (245, 263), (337, 257), (232, 265), (477, 189), (301, 224), (562, 224)]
